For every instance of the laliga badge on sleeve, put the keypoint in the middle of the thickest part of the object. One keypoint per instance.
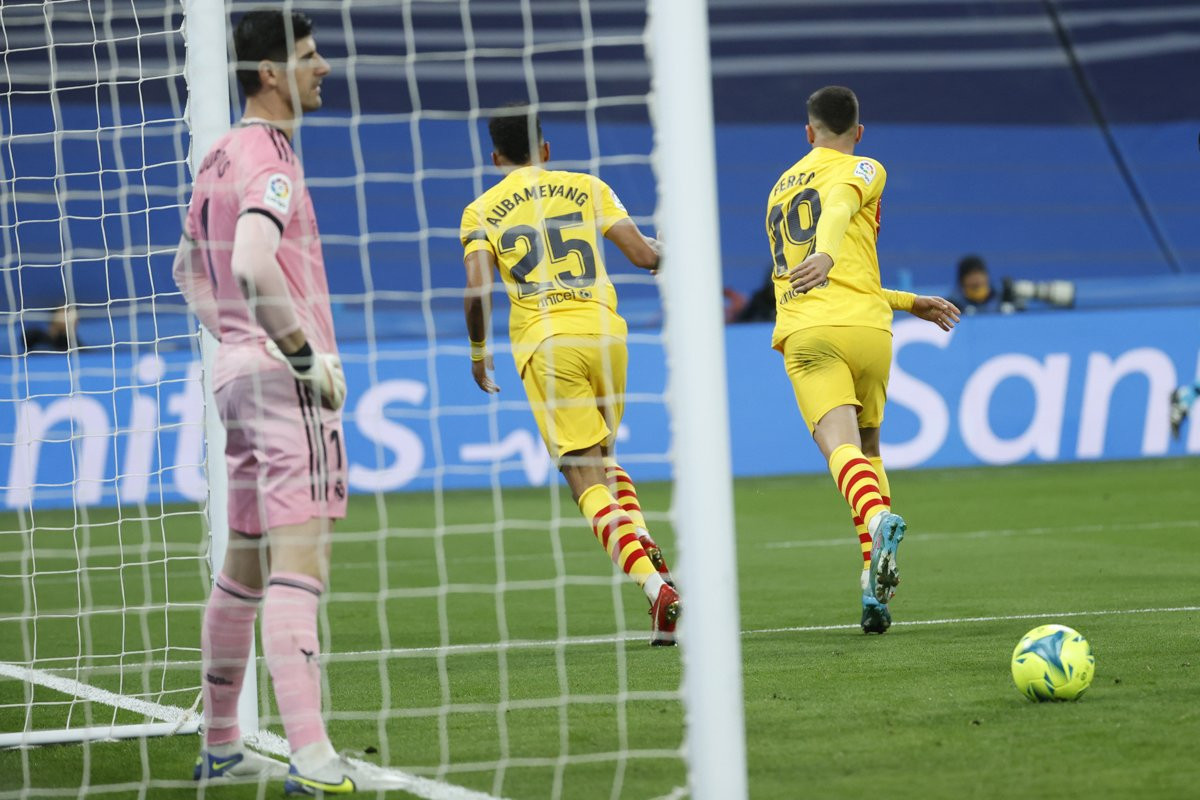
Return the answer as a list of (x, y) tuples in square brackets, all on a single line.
[(865, 170), (278, 194)]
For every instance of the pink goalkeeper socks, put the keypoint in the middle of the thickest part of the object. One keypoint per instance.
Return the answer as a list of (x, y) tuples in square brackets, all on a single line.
[(290, 645), (225, 639)]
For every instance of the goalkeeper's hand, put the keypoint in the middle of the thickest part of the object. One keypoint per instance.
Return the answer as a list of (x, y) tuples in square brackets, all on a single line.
[(322, 371)]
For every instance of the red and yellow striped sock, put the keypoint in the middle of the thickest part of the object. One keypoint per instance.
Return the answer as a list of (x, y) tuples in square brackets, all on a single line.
[(625, 492), (856, 480), (618, 535), (860, 527), (623, 489)]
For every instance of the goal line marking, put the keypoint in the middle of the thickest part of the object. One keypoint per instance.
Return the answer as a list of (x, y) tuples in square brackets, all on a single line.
[(265, 741)]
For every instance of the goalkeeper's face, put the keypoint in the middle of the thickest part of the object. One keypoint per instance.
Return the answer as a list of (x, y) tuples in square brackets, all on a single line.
[(308, 69)]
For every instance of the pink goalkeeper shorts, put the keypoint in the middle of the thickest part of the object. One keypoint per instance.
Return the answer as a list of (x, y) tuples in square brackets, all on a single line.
[(284, 453)]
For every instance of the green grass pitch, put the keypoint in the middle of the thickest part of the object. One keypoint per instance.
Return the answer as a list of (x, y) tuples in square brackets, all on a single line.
[(925, 711)]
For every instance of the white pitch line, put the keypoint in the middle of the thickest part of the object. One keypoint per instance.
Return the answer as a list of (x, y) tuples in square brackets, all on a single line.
[(848, 539), (525, 644), (998, 618), (85, 691), (381, 778)]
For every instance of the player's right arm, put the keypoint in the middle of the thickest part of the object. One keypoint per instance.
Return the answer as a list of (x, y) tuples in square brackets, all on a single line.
[(838, 207), (191, 276), (480, 261)]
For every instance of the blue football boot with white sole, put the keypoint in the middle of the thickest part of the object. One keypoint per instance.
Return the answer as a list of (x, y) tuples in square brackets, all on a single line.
[(884, 574)]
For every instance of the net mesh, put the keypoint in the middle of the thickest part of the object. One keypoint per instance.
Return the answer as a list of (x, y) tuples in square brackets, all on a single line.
[(474, 631)]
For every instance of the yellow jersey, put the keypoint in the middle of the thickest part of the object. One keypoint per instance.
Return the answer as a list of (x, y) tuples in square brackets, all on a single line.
[(852, 295), (544, 228)]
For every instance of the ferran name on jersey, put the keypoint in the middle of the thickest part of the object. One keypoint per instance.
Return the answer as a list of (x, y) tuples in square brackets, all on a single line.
[(540, 191), (795, 179)]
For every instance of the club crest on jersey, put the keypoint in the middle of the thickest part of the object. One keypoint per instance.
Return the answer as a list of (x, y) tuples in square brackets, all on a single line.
[(278, 194), (865, 170)]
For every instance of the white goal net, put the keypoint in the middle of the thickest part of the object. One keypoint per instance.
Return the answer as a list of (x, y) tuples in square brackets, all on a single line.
[(477, 640)]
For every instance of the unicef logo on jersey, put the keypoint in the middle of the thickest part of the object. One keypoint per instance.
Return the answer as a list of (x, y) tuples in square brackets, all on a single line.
[(584, 294)]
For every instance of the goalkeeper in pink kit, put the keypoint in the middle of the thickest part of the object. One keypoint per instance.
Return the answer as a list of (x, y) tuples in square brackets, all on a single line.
[(251, 269)]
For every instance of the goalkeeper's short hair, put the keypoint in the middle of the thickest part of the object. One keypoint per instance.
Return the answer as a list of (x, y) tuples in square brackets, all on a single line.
[(516, 129), (263, 33)]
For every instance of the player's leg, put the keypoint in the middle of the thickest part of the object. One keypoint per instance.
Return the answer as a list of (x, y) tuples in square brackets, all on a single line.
[(869, 438), (824, 386), (872, 359), (227, 629), (558, 381), (623, 488), (609, 387)]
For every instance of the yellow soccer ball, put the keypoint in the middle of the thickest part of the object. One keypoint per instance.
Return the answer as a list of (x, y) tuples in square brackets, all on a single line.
[(1053, 662)]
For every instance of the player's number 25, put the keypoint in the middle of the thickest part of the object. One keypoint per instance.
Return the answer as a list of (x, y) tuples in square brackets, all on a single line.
[(561, 247), (797, 223)]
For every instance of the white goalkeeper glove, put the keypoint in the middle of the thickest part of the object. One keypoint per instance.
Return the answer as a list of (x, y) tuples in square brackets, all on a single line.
[(322, 371)]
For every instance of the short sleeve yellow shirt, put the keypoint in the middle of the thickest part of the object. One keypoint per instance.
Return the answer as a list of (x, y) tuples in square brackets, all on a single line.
[(544, 228)]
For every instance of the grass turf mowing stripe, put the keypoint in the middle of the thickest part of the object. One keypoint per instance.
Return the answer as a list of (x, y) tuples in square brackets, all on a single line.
[(985, 534)]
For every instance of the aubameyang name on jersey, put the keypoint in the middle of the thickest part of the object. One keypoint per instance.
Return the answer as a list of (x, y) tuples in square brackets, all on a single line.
[(541, 191), (795, 179)]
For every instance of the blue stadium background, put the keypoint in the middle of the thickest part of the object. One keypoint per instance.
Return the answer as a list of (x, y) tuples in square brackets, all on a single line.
[(1056, 139)]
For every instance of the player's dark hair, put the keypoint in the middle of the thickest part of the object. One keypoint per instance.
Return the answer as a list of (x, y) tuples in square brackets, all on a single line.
[(263, 33), (515, 129), (970, 264), (835, 107)]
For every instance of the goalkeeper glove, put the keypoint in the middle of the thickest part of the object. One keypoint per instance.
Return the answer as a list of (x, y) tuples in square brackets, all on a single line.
[(322, 371)]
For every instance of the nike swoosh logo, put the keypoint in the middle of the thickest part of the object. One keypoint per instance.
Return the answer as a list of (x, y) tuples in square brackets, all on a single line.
[(346, 786), (218, 766)]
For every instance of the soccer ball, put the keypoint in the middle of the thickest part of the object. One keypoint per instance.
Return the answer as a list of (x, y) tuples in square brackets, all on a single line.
[(1053, 662)]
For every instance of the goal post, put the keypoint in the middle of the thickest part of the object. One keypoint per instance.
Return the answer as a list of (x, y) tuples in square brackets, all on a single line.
[(702, 508), (208, 76)]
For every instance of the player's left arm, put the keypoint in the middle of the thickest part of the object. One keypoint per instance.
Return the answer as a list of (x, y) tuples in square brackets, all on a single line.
[(938, 310)]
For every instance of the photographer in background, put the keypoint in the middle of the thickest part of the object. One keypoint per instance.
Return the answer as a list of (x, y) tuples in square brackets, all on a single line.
[(977, 295)]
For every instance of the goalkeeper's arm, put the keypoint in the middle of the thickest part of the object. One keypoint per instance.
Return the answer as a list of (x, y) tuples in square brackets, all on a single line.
[(262, 282)]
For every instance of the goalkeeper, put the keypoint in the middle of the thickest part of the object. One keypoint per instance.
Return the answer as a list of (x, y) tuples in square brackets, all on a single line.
[(540, 228), (251, 268), (834, 324)]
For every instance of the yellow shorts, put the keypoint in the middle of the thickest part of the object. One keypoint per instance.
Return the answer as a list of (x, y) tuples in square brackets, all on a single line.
[(832, 366), (576, 389)]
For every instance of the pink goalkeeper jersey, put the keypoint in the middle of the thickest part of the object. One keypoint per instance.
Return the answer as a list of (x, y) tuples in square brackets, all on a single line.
[(252, 169)]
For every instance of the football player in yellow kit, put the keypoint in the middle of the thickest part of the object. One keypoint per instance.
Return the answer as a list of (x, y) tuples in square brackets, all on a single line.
[(834, 324), (540, 229)]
